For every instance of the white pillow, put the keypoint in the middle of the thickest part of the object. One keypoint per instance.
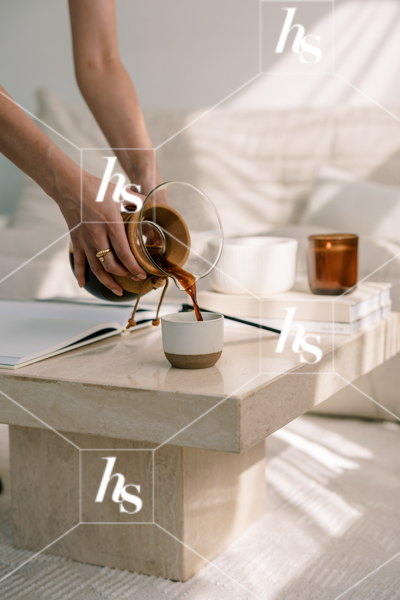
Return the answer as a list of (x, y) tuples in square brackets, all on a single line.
[(341, 202)]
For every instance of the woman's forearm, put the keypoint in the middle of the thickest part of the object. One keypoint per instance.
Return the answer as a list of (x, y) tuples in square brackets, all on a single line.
[(28, 147), (111, 96), (108, 89), (75, 192)]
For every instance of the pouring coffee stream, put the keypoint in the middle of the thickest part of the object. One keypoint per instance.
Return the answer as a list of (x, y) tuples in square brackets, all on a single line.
[(186, 279)]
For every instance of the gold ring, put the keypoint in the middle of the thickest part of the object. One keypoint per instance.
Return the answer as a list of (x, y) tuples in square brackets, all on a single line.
[(102, 254)]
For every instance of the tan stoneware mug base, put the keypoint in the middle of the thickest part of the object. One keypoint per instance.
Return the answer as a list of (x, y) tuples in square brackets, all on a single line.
[(192, 344), (193, 361)]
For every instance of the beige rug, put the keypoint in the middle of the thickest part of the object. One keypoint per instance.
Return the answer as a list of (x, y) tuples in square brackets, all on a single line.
[(333, 519)]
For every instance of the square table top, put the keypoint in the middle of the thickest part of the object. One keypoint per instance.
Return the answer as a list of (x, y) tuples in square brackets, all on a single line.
[(124, 387)]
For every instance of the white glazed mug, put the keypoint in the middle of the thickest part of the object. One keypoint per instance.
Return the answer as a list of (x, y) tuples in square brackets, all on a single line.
[(260, 265), (192, 344)]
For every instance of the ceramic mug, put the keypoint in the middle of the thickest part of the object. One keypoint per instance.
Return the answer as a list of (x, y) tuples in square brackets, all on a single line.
[(260, 265), (192, 344)]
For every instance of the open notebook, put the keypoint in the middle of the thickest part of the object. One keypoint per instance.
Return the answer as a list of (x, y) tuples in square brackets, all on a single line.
[(33, 330)]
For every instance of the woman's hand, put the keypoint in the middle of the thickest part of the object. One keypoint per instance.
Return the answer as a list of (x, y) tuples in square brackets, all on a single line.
[(102, 227)]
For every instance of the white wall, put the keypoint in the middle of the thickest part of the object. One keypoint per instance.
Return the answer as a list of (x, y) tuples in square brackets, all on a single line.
[(362, 46), (194, 53)]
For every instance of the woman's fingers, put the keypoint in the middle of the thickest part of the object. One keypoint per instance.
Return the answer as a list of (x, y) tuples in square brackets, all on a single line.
[(105, 278), (110, 262), (113, 266), (80, 258), (122, 249), (79, 265)]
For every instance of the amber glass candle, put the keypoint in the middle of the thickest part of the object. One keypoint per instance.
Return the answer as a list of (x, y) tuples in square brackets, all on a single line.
[(332, 262)]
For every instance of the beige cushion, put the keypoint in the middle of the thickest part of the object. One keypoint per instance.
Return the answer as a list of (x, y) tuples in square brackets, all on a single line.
[(344, 203), (257, 167), (260, 167)]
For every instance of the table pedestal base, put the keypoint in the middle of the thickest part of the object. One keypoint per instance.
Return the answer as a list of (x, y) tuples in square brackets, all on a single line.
[(194, 502)]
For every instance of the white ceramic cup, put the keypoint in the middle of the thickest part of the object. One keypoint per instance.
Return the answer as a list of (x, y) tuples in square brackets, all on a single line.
[(192, 344), (260, 265)]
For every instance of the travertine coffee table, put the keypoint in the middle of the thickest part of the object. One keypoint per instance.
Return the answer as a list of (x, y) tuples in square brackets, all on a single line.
[(192, 440)]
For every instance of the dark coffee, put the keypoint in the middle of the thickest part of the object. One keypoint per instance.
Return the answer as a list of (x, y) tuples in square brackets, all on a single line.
[(186, 279)]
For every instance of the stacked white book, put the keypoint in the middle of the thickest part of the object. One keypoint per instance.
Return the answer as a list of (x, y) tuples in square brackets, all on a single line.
[(346, 314)]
